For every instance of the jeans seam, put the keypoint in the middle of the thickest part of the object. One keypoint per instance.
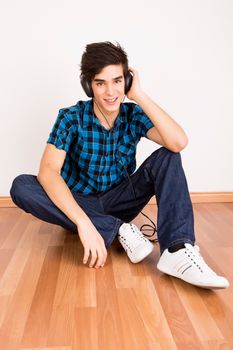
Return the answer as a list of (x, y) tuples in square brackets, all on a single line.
[(115, 230)]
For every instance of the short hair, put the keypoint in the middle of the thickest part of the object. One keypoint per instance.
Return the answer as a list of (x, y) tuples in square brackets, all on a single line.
[(99, 55)]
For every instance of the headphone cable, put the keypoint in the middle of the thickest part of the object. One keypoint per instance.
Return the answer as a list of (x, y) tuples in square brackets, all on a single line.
[(145, 227)]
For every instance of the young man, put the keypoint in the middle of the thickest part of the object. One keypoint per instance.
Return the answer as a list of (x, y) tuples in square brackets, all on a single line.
[(82, 183)]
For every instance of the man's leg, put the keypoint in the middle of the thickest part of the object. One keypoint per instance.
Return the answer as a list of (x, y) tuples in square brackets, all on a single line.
[(29, 195), (162, 175)]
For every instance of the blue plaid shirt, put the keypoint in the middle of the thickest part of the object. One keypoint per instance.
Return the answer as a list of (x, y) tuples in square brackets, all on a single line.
[(92, 163)]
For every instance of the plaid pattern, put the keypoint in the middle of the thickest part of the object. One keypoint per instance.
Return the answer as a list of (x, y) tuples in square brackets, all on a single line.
[(92, 163)]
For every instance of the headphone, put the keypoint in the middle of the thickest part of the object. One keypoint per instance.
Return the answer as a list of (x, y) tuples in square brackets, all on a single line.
[(88, 89)]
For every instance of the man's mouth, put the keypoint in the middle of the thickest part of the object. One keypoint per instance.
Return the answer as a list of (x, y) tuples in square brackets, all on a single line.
[(110, 101)]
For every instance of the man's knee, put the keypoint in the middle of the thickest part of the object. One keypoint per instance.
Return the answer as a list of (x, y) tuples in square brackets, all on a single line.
[(163, 152), (17, 190)]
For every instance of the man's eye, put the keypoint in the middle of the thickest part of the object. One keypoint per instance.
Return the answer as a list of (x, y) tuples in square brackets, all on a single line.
[(118, 81), (99, 84)]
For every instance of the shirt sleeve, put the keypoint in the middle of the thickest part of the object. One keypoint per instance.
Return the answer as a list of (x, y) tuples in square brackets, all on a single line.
[(142, 122), (63, 131)]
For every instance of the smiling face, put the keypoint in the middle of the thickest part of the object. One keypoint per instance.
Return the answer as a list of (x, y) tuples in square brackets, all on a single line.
[(109, 89)]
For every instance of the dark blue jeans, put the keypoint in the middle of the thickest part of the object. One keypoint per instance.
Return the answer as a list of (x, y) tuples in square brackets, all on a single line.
[(161, 174)]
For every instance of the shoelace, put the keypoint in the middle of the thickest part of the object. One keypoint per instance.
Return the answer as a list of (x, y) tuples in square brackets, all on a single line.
[(131, 238), (198, 259)]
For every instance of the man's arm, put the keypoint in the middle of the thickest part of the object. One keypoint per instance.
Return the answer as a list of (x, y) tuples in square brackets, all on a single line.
[(50, 179), (166, 131)]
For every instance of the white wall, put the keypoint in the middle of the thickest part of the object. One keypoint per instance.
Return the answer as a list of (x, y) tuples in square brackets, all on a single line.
[(182, 49)]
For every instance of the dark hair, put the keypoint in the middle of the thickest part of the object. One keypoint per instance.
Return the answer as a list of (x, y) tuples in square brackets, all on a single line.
[(99, 55)]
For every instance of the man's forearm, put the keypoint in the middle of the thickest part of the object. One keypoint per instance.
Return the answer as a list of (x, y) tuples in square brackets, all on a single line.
[(60, 194), (170, 131)]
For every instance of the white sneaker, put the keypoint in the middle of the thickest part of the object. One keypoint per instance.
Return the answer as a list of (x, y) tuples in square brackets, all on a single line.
[(136, 245), (188, 265)]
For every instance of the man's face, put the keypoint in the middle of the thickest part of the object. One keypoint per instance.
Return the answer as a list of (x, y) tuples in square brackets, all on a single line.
[(108, 88)]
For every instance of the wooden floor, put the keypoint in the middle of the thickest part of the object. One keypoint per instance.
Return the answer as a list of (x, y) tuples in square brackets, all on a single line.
[(50, 300)]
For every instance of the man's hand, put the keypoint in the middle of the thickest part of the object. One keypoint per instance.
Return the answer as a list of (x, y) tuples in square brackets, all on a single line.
[(135, 90), (93, 244)]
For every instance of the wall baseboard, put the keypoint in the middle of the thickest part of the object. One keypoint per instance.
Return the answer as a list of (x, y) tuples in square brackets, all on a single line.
[(6, 202), (211, 197), (207, 197), (196, 197)]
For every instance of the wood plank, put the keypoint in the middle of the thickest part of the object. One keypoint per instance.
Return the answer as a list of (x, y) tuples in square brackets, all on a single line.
[(58, 235), (204, 325), (177, 317), (70, 281), (216, 345), (143, 321), (50, 348), (108, 313), (36, 328), (85, 329), (121, 268), (14, 270), (5, 257), (15, 233), (15, 319), (61, 325)]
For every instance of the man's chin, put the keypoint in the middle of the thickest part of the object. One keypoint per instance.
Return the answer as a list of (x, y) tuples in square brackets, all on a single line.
[(113, 108)]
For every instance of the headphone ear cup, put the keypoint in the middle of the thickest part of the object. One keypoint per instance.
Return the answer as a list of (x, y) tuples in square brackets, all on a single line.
[(87, 87), (128, 82)]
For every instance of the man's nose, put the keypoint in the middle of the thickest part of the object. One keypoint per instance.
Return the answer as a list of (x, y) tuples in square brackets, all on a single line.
[(109, 89)]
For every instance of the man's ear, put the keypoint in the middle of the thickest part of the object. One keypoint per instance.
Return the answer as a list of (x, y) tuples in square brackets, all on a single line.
[(128, 81), (86, 85)]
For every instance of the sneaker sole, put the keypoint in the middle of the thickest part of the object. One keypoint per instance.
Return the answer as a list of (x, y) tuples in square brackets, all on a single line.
[(142, 253), (194, 284)]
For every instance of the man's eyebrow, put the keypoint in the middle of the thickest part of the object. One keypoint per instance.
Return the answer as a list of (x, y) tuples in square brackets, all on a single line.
[(102, 80)]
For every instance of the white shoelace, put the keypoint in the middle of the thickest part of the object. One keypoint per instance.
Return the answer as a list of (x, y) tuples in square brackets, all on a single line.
[(197, 259), (133, 237)]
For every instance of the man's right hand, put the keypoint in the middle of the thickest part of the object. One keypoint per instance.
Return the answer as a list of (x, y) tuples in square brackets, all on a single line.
[(93, 244), (58, 191)]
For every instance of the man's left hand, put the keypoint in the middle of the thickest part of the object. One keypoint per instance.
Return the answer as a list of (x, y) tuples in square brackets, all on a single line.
[(135, 90)]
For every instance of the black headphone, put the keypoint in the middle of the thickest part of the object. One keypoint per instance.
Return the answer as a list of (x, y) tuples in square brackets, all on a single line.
[(88, 89)]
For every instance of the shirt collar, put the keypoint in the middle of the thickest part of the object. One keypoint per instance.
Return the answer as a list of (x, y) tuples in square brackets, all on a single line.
[(89, 118)]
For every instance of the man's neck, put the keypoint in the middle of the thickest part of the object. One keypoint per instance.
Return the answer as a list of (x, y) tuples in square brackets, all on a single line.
[(110, 116)]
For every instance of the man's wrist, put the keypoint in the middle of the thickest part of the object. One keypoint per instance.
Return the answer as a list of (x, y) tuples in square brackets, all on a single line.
[(82, 221), (140, 98)]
